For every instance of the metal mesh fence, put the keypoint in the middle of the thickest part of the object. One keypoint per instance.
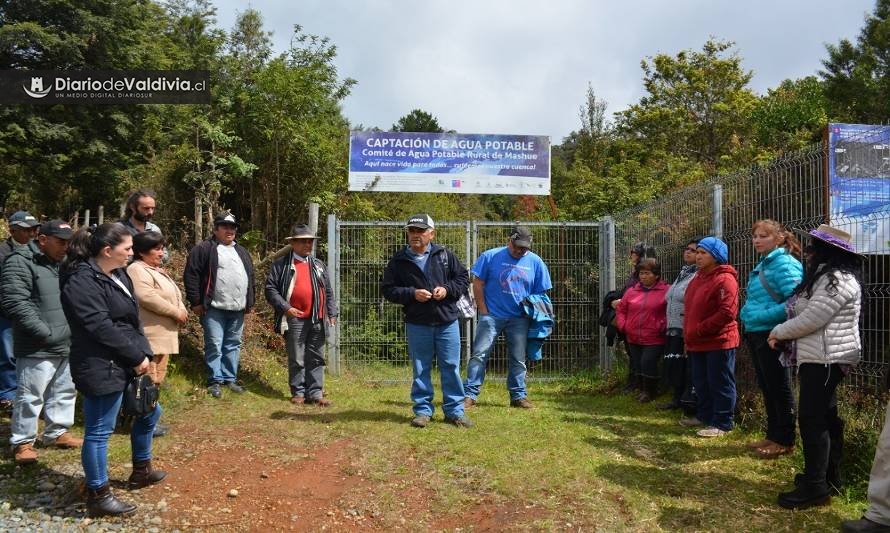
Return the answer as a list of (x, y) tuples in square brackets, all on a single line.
[(793, 190), (370, 335)]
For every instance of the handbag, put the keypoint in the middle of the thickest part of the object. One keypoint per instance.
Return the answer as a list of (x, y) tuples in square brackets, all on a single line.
[(140, 396)]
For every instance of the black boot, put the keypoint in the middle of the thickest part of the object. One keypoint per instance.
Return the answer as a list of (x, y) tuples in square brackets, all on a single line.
[(632, 383), (647, 386), (101, 502), (143, 475), (805, 495)]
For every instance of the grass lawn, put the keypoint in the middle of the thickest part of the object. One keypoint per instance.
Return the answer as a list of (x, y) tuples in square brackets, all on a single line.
[(583, 459)]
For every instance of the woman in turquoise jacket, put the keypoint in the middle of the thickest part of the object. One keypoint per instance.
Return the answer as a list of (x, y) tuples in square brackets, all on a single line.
[(771, 283)]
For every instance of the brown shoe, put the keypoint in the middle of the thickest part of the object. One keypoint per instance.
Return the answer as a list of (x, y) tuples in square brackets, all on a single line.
[(65, 440), (321, 402), (762, 443), (297, 400), (522, 403), (25, 454), (774, 450), (469, 403)]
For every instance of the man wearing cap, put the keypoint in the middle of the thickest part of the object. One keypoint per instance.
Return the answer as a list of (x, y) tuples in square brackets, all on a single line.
[(503, 277), (427, 279), (32, 299), (219, 287), (299, 289), (22, 229)]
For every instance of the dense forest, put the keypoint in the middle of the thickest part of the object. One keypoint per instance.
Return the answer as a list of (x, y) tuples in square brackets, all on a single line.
[(275, 136)]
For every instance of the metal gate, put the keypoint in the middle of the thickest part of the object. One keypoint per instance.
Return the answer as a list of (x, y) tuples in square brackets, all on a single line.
[(369, 337)]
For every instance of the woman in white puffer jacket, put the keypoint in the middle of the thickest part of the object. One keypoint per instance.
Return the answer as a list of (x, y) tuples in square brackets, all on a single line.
[(823, 322)]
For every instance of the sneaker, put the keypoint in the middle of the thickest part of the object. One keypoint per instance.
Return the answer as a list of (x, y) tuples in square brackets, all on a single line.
[(460, 421), (234, 387), (160, 430), (65, 440), (321, 402), (522, 403), (25, 454), (420, 421), (469, 403), (690, 422), (297, 400), (710, 432), (804, 496), (214, 390)]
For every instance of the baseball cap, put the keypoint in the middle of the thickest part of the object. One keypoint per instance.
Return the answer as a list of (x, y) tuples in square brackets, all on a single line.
[(422, 221), (521, 236), (57, 228), (23, 219), (225, 218)]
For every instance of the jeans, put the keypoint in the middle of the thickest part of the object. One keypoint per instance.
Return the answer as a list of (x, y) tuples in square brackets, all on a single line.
[(304, 342), (222, 344), (7, 361), (713, 375), (44, 383), (821, 429), (775, 382), (443, 341), (487, 330), (99, 417)]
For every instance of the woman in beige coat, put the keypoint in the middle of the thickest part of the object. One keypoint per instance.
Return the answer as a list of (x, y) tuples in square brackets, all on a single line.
[(161, 309)]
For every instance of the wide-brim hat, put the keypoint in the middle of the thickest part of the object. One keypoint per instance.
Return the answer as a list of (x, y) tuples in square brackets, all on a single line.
[(835, 237), (301, 231)]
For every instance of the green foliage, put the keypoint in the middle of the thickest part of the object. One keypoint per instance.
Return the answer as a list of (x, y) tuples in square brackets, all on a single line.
[(791, 116), (418, 121)]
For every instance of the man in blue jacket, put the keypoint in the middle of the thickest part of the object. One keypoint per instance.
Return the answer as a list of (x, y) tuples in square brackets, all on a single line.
[(427, 280)]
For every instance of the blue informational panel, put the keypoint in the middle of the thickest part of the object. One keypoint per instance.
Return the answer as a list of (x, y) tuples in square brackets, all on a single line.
[(449, 162), (859, 183)]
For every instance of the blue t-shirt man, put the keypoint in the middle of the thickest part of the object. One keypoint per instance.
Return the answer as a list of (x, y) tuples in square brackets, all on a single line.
[(508, 280), (504, 276)]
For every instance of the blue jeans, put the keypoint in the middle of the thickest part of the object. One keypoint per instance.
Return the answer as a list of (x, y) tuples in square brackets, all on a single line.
[(44, 384), (99, 417), (443, 341), (222, 344), (487, 330), (713, 375), (7, 361)]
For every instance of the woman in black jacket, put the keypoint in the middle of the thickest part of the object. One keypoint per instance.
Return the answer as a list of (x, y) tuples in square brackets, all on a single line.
[(107, 348)]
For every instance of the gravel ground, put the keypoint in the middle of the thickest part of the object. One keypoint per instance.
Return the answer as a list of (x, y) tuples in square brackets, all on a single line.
[(34, 499)]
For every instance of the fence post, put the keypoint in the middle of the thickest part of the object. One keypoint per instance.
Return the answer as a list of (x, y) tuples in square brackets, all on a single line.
[(86, 217), (199, 220), (313, 223), (334, 271), (100, 216), (717, 215), (606, 282)]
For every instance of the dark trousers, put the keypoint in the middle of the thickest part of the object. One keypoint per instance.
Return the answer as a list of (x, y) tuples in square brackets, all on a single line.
[(775, 383), (644, 359), (713, 375), (304, 342), (821, 430)]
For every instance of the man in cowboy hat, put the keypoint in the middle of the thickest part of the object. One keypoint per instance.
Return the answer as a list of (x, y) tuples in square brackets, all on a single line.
[(219, 287), (299, 289)]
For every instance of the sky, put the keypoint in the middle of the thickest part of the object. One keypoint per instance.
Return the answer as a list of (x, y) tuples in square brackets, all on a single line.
[(523, 66)]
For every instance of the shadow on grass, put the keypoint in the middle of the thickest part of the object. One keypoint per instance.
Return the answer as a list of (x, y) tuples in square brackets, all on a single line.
[(314, 414), (190, 363)]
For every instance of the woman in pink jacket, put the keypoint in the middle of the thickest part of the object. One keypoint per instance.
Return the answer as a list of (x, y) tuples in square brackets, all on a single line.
[(642, 318)]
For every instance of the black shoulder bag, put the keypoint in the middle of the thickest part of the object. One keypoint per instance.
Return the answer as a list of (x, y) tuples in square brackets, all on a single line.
[(140, 396)]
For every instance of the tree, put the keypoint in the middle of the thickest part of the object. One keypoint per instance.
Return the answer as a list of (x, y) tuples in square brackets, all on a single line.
[(696, 108), (857, 76), (418, 121), (790, 116)]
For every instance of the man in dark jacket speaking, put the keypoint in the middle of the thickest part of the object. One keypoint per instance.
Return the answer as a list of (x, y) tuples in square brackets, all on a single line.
[(299, 289), (427, 280), (32, 299)]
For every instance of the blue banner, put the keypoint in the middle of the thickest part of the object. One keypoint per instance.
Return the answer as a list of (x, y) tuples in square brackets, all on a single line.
[(449, 162), (859, 184)]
